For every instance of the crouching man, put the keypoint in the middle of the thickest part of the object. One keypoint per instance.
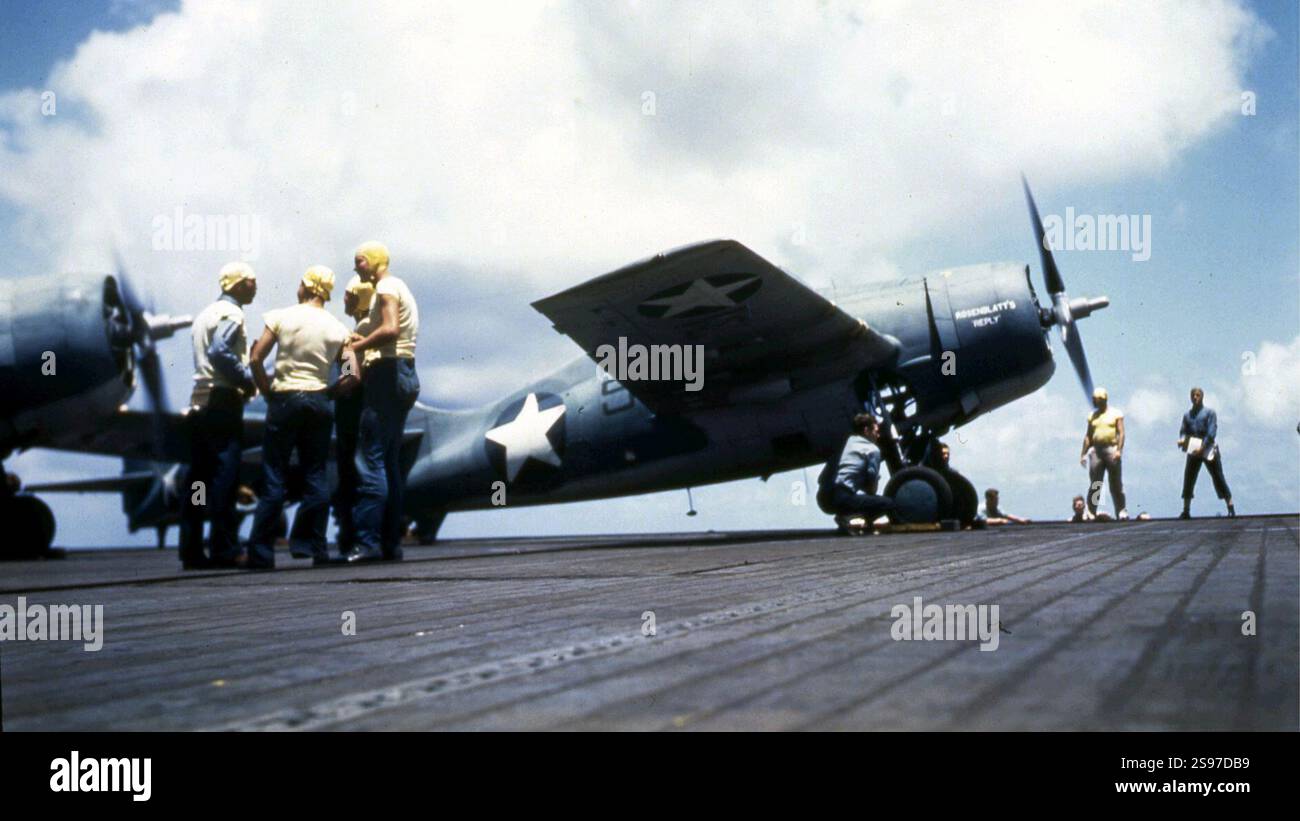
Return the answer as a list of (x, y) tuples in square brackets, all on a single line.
[(847, 486)]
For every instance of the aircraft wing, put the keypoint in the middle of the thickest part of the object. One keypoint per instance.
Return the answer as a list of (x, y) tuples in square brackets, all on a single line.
[(105, 484), (764, 334), (129, 434)]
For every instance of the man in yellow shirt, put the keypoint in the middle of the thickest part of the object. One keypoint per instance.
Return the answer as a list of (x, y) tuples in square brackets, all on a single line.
[(1105, 439), (299, 416)]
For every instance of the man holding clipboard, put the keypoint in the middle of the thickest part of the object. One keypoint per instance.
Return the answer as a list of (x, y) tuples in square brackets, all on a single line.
[(1197, 437)]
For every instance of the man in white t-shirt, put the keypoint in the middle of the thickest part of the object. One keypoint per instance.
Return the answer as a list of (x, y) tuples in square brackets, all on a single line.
[(391, 387), (299, 416)]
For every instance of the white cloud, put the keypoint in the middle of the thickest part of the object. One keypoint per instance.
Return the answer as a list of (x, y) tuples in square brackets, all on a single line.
[(1271, 391), (518, 140), (1152, 406)]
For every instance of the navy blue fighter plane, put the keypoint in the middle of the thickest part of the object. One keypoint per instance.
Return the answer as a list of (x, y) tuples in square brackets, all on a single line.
[(783, 370), (72, 349)]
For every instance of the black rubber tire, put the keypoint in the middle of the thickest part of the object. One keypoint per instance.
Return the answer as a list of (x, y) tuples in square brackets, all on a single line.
[(31, 525), (921, 494), (965, 498)]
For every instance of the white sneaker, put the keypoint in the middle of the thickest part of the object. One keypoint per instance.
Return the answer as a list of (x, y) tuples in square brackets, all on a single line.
[(1123, 515)]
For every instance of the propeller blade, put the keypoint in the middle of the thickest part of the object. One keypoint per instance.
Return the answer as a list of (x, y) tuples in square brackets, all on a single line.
[(151, 375), (144, 329), (1051, 276), (1074, 347), (1062, 309), (130, 300)]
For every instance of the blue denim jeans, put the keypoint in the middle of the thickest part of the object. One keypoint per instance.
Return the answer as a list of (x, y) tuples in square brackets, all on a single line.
[(302, 421), (215, 449), (347, 420), (846, 501), (391, 387)]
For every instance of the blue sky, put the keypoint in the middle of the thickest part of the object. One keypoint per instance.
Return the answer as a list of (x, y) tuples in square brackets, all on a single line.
[(500, 180)]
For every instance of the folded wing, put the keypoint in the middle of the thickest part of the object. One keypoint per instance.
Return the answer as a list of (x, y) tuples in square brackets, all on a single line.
[(763, 333)]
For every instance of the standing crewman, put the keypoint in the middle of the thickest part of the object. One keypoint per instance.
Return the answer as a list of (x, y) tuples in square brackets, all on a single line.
[(223, 382), (1105, 438), (357, 298), (391, 387), (848, 483), (1199, 437), (299, 417)]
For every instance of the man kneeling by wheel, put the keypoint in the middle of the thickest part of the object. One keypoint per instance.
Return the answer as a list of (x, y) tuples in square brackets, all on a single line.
[(847, 485)]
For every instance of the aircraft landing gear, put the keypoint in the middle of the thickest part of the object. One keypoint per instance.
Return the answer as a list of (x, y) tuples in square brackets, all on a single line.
[(925, 488), (426, 527)]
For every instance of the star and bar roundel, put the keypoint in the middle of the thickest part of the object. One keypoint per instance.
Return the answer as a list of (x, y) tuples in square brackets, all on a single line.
[(701, 297), (527, 440)]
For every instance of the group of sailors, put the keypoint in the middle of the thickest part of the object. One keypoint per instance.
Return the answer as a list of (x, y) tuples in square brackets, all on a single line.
[(848, 487), (353, 386)]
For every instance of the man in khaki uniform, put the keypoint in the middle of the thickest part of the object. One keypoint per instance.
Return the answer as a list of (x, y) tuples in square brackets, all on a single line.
[(1105, 438)]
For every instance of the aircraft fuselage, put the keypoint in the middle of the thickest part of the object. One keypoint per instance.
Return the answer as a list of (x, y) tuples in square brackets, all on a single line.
[(970, 340)]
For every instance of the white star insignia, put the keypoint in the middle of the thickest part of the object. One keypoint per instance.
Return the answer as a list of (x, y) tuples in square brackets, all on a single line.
[(700, 294), (524, 437)]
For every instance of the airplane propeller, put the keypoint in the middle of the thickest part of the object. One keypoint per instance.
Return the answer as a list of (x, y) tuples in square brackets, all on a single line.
[(1065, 311), (141, 329)]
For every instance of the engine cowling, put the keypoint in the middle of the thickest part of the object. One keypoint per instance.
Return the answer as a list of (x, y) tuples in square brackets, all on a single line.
[(65, 356)]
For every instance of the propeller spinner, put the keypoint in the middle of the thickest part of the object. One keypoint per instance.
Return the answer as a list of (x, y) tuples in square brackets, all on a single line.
[(1065, 312)]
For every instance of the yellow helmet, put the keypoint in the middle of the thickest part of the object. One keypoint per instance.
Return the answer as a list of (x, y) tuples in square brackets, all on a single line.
[(363, 291), (233, 273), (376, 253), (319, 280)]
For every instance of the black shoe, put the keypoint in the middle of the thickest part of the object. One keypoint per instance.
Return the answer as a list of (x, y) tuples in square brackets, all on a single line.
[(1232, 512), (1184, 515), (239, 561), (394, 555), (362, 555), (196, 563)]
